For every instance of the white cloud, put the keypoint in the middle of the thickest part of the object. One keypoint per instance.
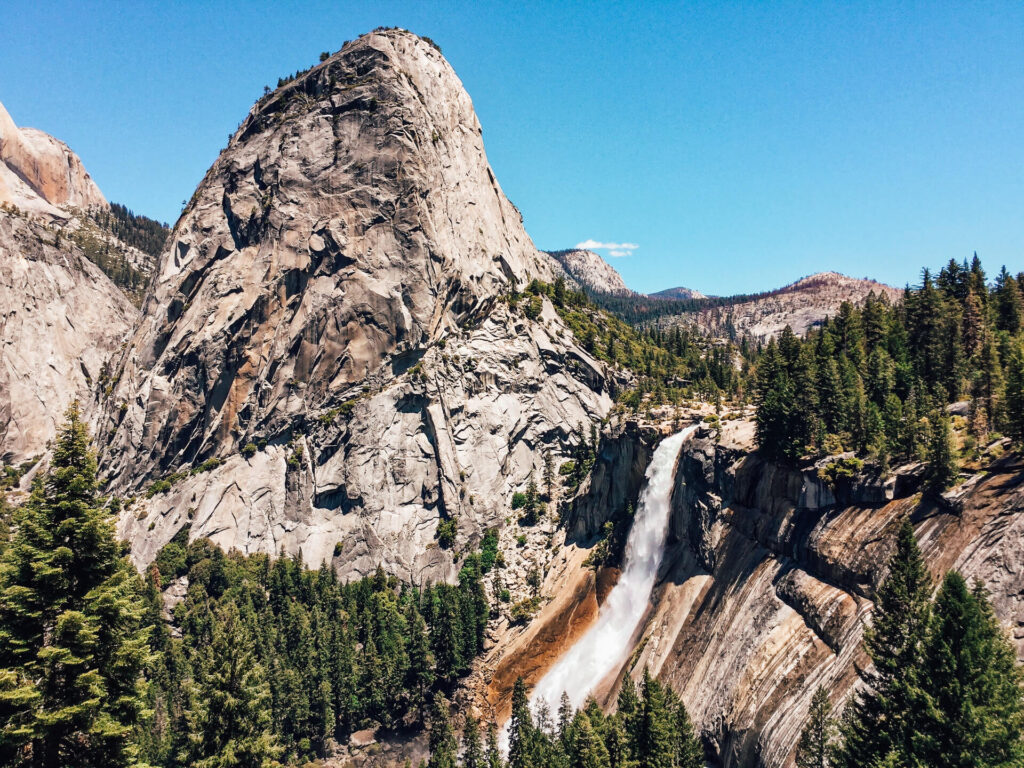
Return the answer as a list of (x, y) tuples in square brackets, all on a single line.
[(618, 250)]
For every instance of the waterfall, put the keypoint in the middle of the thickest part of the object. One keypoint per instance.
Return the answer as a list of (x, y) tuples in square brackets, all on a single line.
[(605, 645)]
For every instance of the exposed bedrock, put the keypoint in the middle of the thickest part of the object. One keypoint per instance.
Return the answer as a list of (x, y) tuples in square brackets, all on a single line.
[(769, 579), (334, 296)]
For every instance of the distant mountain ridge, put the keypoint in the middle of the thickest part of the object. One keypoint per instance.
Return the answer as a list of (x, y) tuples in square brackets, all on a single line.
[(801, 305), (679, 292)]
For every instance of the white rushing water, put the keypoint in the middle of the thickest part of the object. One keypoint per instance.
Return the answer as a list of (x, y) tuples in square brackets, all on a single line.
[(605, 645)]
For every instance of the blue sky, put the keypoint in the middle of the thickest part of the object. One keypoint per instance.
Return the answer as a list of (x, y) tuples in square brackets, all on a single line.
[(737, 145)]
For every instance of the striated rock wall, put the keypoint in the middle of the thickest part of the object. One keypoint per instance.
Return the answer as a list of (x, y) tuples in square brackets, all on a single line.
[(335, 292), (61, 322), (769, 582)]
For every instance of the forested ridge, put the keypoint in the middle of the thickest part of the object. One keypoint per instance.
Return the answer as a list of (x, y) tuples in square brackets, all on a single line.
[(876, 379)]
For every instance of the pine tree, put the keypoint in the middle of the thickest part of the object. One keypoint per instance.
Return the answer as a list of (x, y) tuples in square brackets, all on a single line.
[(442, 739), (942, 467), (494, 759), (520, 729), (72, 641), (880, 718), (1008, 303), (588, 751), (472, 749), (420, 676), (814, 750), (228, 716), (629, 711), (689, 751), (1015, 393), (655, 740), (974, 715)]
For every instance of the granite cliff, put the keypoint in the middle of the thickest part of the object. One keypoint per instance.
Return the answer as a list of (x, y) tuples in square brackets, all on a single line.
[(767, 581), (327, 333)]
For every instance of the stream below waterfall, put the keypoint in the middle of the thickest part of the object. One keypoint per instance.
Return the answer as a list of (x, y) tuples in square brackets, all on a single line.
[(606, 644)]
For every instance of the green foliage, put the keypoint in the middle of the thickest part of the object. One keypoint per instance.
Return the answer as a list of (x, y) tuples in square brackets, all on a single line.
[(73, 642), (942, 466), (817, 740), (522, 611), (11, 475), (248, 450), (650, 728), (228, 714), (841, 469), (878, 718), (873, 377), (670, 364), (489, 550), (442, 737), (945, 688), (447, 530), (973, 702), (322, 658)]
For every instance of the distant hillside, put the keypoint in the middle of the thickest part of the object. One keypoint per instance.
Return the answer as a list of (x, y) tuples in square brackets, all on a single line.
[(800, 305), (678, 293)]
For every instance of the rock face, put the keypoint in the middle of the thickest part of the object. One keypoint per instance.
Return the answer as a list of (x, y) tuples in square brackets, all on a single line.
[(770, 580), (40, 174), (801, 305), (591, 271), (61, 321), (333, 295)]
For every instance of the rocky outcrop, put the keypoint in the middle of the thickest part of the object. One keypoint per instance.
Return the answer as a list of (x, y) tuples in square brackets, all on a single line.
[(591, 271), (614, 481), (61, 322), (333, 295), (41, 175), (769, 582)]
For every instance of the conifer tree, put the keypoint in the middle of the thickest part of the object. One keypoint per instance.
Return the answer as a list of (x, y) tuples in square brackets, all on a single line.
[(689, 751), (442, 738), (880, 718), (72, 640), (655, 740), (814, 750), (228, 717), (494, 759), (1015, 393), (942, 467), (1009, 307), (588, 751), (974, 713), (629, 710), (472, 749), (520, 729)]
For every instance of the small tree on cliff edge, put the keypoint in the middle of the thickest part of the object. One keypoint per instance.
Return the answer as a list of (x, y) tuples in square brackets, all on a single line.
[(814, 749)]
